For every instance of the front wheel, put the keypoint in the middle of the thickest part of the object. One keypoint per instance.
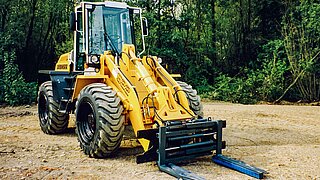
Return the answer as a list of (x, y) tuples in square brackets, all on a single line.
[(99, 120)]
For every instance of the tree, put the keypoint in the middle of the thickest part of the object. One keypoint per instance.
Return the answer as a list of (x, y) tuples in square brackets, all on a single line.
[(302, 39)]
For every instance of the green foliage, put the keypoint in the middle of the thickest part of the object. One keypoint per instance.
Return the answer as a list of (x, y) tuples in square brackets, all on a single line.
[(64, 46), (265, 83), (240, 51), (287, 66), (271, 78), (300, 27), (33, 29), (14, 89), (236, 89)]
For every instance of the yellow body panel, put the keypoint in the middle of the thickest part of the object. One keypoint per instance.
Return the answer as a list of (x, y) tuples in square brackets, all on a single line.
[(136, 80), (63, 63), (83, 81)]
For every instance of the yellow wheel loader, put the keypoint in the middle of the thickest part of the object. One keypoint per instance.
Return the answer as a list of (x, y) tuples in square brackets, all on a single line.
[(108, 85)]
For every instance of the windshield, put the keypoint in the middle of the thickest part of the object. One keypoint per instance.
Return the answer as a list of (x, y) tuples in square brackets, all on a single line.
[(108, 28)]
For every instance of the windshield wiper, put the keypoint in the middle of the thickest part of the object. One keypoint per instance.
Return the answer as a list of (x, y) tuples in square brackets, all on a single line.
[(107, 39)]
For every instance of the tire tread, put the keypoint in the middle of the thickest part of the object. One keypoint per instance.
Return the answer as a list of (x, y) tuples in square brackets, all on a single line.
[(193, 98), (110, 121), (57, 122)]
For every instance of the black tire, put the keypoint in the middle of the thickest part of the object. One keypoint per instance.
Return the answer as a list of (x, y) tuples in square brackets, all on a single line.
[(193, 99), (99, 120), (51, 120)]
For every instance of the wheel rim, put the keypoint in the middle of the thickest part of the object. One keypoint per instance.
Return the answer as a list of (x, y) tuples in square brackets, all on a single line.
[(43, 108), (86, 122)]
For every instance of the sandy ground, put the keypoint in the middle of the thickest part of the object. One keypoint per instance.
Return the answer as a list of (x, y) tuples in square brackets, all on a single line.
[(284, 140)]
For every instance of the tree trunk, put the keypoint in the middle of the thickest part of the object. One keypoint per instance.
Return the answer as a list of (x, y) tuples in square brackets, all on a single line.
[(248, 54), (4, 15), (31, 25), (159, 25), (28, 59), (213, 36)]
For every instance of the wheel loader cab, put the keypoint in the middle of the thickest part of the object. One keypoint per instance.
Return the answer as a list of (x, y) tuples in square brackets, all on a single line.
[(101, 27)]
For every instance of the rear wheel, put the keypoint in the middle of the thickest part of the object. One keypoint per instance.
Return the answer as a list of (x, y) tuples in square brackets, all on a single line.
[(193, 99), (51, 120), (100, 122)]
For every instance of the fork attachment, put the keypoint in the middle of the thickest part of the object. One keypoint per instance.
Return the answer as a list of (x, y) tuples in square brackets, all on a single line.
[(180, 141)]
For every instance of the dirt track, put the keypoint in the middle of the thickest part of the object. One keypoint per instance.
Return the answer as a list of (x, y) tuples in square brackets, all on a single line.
[(284, 140)]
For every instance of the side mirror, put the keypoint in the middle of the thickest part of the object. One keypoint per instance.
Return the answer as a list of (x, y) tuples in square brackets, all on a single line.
[(145, 30), (72, 21)]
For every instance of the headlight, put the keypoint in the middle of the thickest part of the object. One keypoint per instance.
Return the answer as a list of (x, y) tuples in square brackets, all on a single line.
[(95, 59), (159, 60)]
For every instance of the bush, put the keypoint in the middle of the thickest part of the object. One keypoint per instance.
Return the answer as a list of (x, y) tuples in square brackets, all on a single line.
[(14, 89), (265, 83), (274, 67), (236, 89)]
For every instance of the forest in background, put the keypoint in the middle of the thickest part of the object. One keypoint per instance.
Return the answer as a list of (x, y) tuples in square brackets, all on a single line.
[(241, 51)]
